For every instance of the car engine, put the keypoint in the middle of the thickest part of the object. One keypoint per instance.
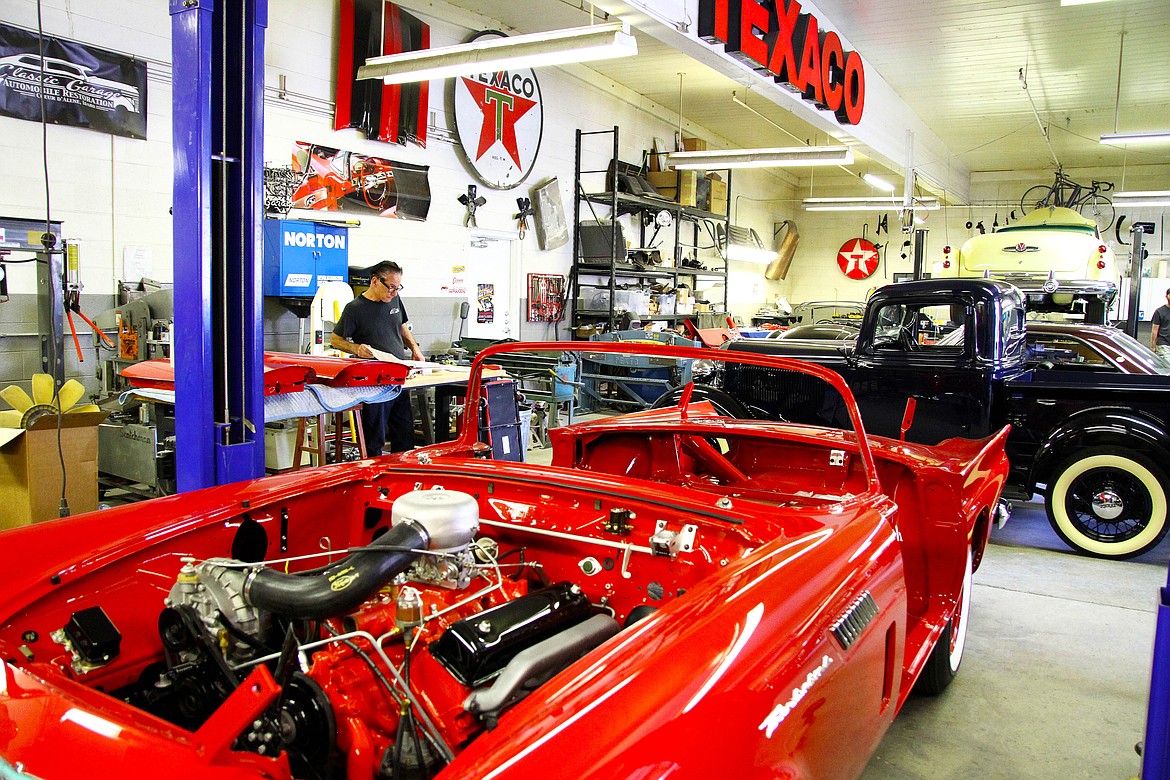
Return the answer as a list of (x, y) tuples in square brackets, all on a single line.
[(390, 659)]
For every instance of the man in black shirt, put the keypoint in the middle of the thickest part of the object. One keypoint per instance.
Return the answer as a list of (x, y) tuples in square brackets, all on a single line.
[(377, 318), (1160, 333)]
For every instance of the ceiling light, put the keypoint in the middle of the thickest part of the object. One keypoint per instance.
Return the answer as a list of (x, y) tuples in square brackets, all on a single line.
[(489, 55), (1079, 2), (878, 182), (742, 243), (1142, 198), (1157, 136), (867, 204), (761, 158)]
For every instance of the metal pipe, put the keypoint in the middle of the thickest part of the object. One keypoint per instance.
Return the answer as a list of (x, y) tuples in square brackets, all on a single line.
[(1117, 98)]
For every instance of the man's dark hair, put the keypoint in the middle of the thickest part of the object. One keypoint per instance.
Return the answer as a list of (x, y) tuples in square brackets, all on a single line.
[(1168, 290), (385, 267)]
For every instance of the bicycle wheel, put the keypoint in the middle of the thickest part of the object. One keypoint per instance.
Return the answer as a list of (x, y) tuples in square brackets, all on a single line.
[(1099, 209), (1036, 197)]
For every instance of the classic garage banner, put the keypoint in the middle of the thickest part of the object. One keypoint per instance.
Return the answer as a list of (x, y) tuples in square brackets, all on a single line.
[(83, 86)]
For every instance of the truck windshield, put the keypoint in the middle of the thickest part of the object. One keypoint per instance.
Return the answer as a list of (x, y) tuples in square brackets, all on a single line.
[(913, 327)]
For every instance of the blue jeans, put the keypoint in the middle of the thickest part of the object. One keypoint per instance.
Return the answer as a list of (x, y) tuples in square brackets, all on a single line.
[(393, 421)]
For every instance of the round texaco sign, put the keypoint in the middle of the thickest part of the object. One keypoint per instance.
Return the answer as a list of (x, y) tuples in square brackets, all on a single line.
[(500, 120), (857, 258)]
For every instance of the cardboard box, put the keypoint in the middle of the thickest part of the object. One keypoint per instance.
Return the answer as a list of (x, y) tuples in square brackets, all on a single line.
[(718, 198), (694, 144), (667, 183), (30, 468)]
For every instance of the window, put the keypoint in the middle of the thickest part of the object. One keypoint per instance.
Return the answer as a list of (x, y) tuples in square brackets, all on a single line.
[(919, 328)]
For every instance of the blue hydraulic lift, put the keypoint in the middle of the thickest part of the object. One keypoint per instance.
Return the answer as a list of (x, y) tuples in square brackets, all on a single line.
[(218, 338)]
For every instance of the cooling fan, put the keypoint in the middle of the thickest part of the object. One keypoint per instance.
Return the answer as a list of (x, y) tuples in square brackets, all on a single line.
[(25, 411)]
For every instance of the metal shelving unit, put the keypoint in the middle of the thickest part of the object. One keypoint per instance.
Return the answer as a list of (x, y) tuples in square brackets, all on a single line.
[(617, 274)]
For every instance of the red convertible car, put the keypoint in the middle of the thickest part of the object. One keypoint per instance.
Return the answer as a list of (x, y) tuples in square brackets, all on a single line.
[(679, 594)]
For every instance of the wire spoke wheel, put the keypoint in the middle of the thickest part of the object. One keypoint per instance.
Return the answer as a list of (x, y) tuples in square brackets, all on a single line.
[(1036, 197), (1108, 502), (1098, 208)]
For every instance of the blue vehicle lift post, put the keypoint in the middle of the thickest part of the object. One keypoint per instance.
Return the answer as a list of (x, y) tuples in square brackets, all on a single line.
[(218, 339), (1156, 748)]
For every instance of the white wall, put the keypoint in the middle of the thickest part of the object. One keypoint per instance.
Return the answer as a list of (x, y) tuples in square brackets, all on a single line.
[(110, 192), (114, 193)]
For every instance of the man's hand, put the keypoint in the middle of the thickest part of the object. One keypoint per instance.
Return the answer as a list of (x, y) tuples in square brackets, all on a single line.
[(363, 351)]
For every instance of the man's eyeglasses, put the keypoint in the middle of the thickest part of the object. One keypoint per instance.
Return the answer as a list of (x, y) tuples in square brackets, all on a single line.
[(394, 287)]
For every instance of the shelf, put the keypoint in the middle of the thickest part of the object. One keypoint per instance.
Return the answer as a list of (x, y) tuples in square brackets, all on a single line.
[(638, 202), (623, 269), (696, 272), (603, 314), (608, 264), (626, 269)]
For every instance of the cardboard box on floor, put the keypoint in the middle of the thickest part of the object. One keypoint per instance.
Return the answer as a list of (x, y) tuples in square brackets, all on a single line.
[(30, 468)]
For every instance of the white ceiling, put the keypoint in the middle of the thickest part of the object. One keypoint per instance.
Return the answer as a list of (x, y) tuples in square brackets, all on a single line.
[(955, 63)]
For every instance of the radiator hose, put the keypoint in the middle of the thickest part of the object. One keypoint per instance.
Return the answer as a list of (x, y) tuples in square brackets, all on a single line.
[(434, 520), (339, 588)]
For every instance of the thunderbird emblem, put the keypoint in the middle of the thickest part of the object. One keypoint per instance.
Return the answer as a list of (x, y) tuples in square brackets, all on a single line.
[(1021, 247)]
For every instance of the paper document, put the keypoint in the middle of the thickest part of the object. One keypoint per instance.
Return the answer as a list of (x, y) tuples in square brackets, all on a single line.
[(423, 366)]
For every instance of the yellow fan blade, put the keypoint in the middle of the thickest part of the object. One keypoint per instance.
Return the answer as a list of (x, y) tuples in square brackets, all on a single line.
[(10, 418), (16, 398), (69, 393), (42, 385), (85, 408)]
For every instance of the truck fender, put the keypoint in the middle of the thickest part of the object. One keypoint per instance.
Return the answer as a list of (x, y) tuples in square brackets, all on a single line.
[(1100, 427)]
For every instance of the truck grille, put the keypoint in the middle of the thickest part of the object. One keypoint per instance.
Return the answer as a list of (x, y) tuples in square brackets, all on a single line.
[(776, 393)]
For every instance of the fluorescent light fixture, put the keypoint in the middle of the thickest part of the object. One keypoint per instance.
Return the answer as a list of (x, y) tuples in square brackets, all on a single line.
[(488, 55), (867, 204), (761, 158), (1142, 198), (878, 182), (1079, 2), (1154, 137), (741, 243)]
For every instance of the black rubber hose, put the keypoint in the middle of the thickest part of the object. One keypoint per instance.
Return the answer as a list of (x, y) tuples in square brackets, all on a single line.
[(340, 588)]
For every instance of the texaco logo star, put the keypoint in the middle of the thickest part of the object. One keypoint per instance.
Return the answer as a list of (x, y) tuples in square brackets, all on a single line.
[(500, 110), (858, 258)]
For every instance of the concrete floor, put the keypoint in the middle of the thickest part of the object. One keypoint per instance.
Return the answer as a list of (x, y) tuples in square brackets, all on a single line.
[(1055, 677)]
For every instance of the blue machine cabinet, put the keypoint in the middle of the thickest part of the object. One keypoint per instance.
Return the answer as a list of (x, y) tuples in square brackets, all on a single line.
[(300, 256)]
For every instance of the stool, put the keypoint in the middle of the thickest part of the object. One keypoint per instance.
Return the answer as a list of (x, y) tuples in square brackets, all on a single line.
[(317, 449)]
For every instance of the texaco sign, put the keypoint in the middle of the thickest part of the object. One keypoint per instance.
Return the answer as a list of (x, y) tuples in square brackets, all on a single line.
[(500, 119), (858, 258)]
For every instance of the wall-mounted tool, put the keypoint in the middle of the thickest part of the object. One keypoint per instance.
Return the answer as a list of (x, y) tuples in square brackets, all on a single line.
[(525, 206), (472, 202)]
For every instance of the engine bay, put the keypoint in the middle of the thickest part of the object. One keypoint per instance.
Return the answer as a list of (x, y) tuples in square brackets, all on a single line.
[(450, 602)]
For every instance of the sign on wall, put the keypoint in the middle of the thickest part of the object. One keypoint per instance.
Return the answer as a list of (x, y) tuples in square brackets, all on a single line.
[(775, 38), (500, 120), (83, 86), (858, 258), (329, 179), (485, 302)]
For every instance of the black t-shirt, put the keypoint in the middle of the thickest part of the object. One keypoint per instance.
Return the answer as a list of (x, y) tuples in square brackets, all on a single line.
[(374, 323), (1162, 320)]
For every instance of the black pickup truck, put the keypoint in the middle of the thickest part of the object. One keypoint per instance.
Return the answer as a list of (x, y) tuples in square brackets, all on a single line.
[(1097, 445)]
